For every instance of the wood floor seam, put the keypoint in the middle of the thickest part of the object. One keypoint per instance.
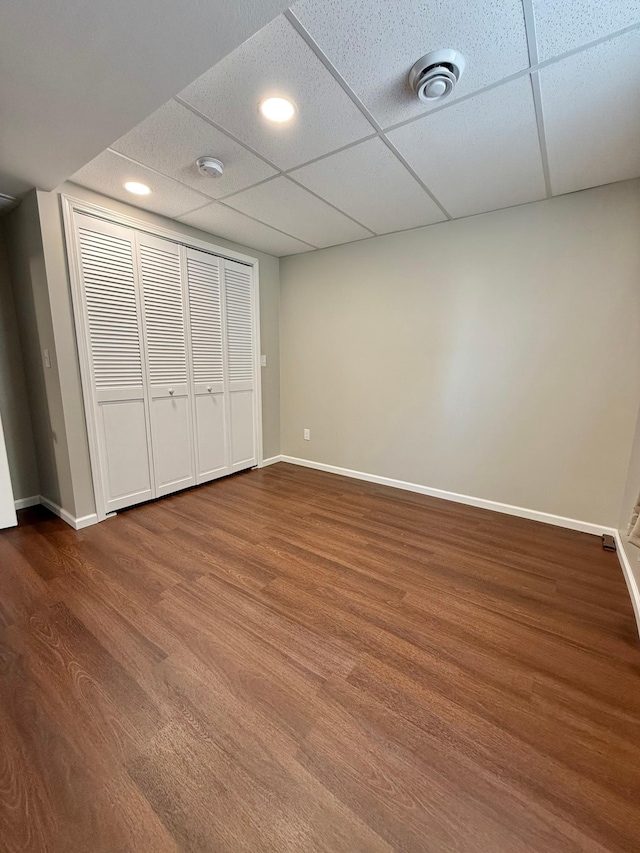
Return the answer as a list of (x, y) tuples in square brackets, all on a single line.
[(288, 661)]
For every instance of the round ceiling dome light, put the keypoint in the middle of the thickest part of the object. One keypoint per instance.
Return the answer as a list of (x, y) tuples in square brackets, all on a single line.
[(136, 188), (277, 109), (435, 75), (210, 167)]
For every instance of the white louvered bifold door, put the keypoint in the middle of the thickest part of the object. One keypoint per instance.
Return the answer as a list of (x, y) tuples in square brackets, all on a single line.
[(165, 333), (239, 311), (106, 257), (210, 401)]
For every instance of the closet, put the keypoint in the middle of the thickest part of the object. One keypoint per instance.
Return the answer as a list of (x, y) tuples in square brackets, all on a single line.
[(167, 337)]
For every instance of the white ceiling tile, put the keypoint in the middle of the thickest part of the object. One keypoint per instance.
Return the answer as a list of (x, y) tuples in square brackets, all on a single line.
[(482, 154), (277, 61), (563, 25), (591, 106), (374, 43), (77, 74), (172, 139), (229, 224), (290, 208), (108, 173), (369, 183)]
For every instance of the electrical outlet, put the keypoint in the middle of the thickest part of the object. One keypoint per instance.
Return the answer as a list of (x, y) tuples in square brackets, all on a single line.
[(263, 361), (307, 435)]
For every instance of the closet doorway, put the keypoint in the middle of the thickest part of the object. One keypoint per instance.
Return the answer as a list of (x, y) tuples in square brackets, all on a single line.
[(168, 343)]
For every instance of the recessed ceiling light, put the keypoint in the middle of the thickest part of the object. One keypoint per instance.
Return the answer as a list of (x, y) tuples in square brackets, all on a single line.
[(136, 188), (277, 109)]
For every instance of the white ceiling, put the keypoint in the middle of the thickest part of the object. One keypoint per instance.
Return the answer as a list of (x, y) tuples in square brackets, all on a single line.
[(77, 74), (549, 103), (480, 154)]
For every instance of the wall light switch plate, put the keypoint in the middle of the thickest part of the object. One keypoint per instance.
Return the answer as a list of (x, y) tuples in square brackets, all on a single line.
[(47, 358), (263, 361), (307, 435)]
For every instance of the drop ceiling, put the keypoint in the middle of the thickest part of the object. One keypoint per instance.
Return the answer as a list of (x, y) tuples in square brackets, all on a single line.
[(549, 104), (76, 74)]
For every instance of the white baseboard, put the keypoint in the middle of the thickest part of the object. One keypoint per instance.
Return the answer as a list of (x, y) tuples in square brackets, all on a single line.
[(629, 576), (271, 461), (23, 503), (76, 523), (57, 510), (507, 509), (86, 521)]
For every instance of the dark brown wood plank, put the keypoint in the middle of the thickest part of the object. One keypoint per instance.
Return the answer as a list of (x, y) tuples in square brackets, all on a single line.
[(286, 660)]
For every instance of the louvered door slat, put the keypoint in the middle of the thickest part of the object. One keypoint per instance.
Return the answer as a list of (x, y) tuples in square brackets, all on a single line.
[(164, 315), (166, 350), (207, 358), (239, 322), (238, 303), (111, 306), (111, 320), (205, 314)]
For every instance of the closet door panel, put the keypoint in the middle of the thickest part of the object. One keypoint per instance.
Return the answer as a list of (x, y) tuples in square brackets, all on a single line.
[(168, 379), (242, 442), (106, 254), (239, 315), (211, 436), (210, 403), (171, 424), (170, 375), (125, 443)]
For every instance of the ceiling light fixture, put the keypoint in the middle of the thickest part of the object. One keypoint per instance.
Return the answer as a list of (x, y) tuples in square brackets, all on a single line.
[(277, 109), (435, 75), (210, 167), (136, 188)]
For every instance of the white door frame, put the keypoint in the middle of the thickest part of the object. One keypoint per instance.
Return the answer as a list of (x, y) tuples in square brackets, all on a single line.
[(72, 206), (7, 505)]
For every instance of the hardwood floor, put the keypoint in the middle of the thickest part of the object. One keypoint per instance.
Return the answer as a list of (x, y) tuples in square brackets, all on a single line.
[(287, 660)]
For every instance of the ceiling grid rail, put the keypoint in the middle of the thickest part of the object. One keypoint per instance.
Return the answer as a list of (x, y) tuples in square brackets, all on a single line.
[(380, 131), (303, 33), (530, 27)]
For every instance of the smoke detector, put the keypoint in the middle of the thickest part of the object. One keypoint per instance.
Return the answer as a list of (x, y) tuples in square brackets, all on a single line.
[(210, 167), (435, 75)]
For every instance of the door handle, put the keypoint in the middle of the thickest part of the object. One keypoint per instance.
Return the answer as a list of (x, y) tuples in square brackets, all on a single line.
[(171, 391), (209, 388)]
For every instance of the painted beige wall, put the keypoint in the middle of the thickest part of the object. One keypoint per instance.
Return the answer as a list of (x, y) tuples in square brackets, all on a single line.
[(14, 404), (496, 356), (33, 310), (65, 345)]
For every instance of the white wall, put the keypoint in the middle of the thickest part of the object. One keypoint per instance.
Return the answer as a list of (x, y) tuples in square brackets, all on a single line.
[(496, 356)]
